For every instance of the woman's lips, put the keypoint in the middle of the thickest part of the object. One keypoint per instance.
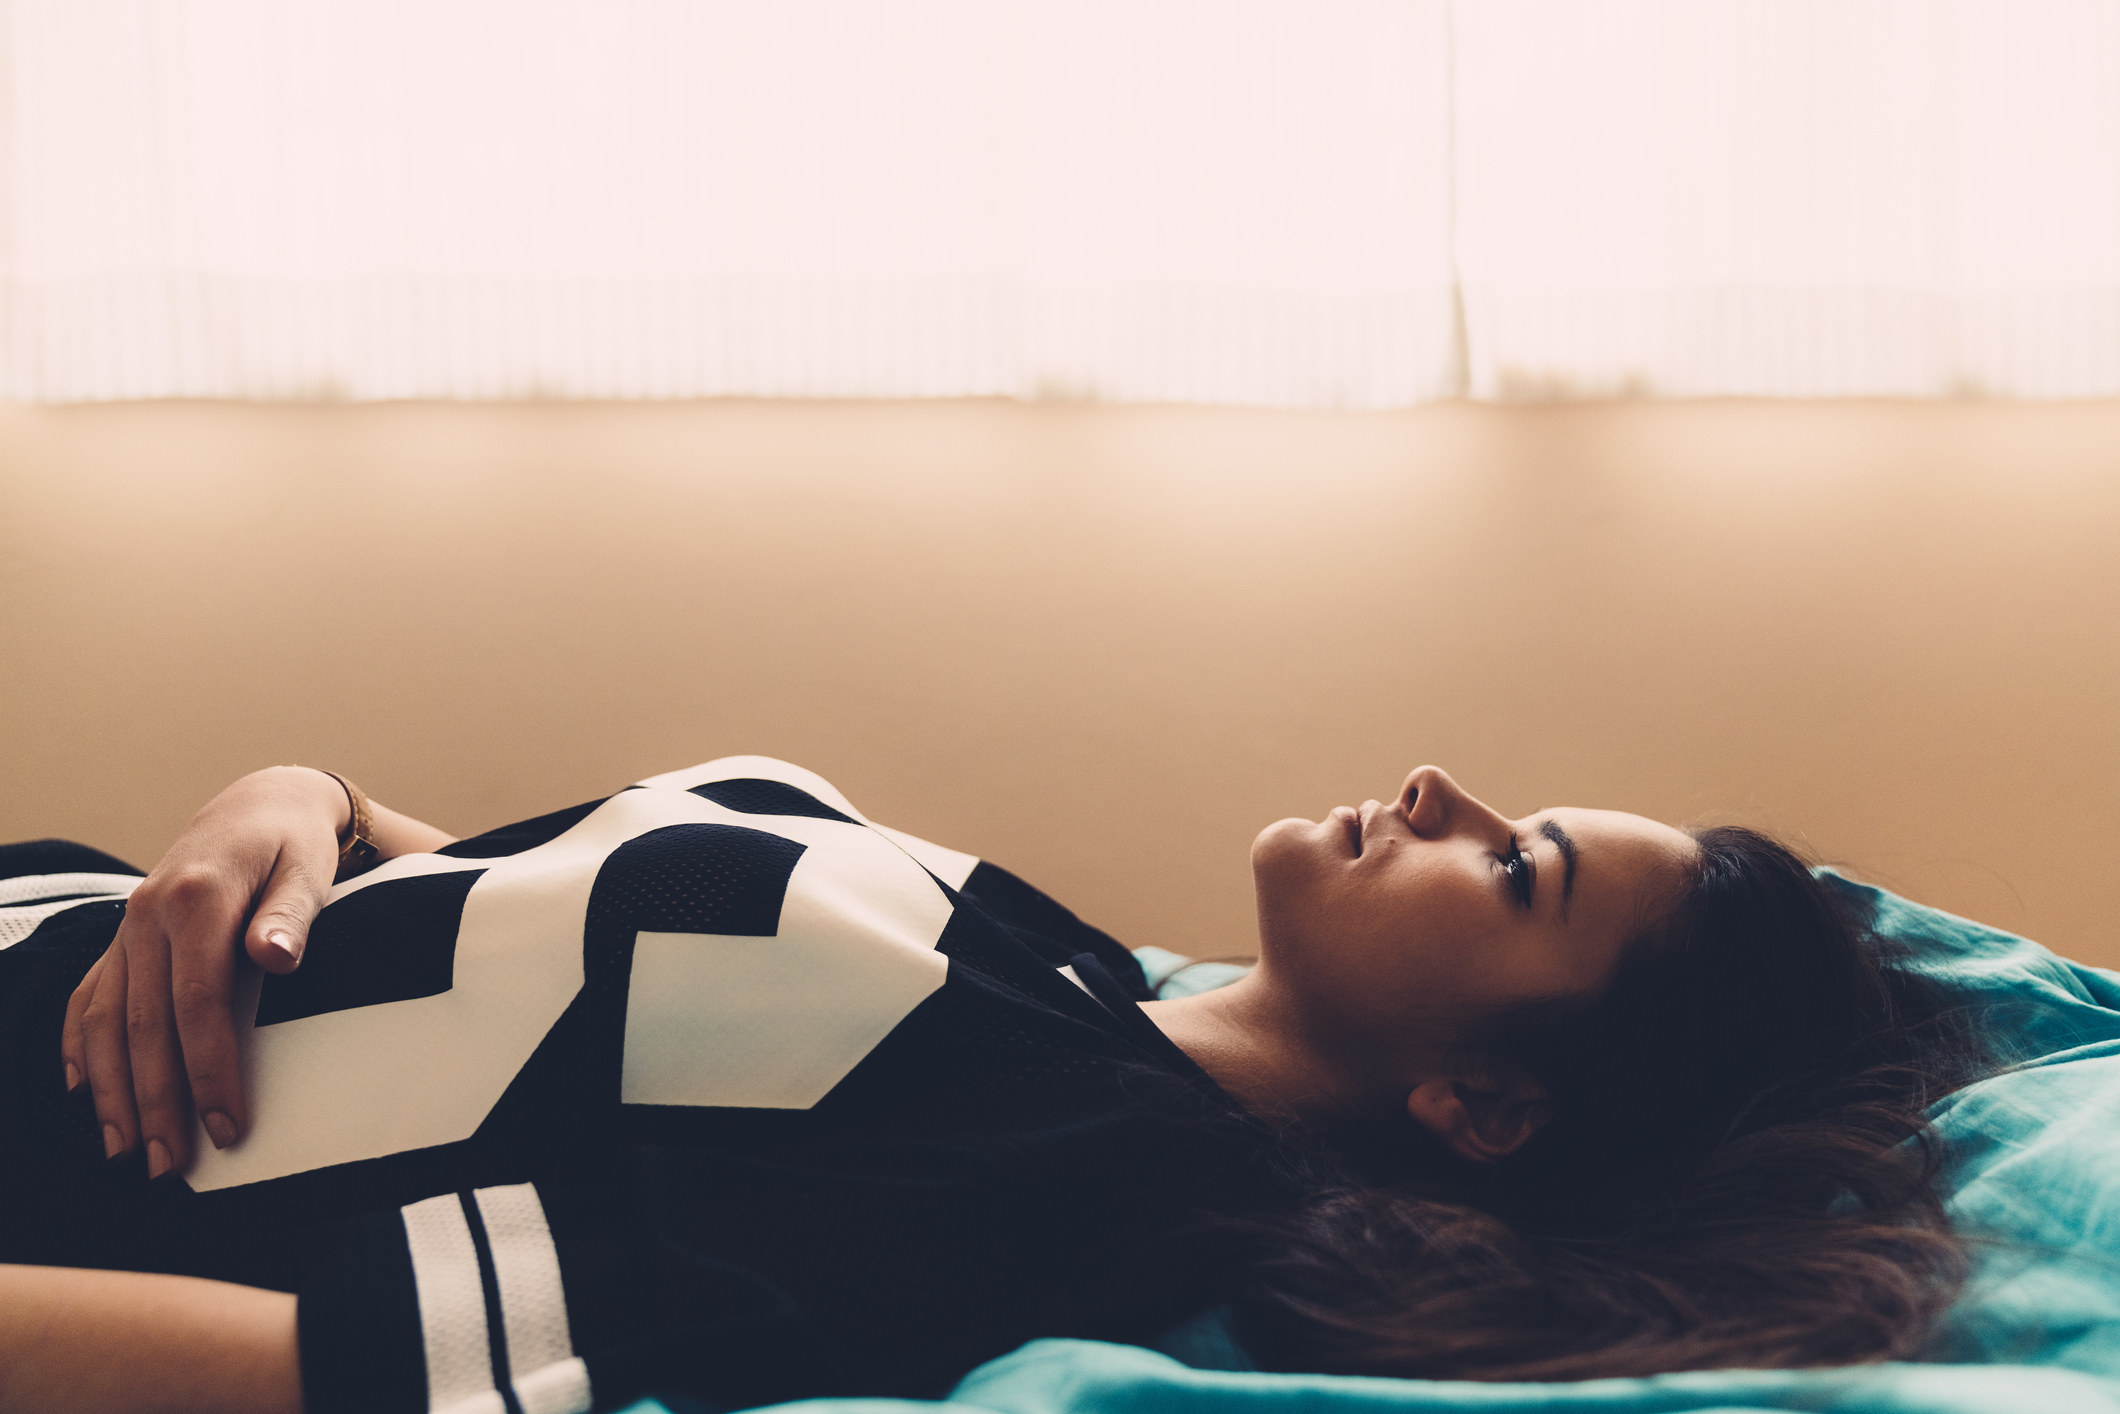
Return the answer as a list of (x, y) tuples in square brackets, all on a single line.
[(1350, 821)]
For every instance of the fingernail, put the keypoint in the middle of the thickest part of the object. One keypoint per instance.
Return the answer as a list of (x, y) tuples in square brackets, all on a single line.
[(285, 943), (73, 1077), (157, 1158), (221, 1128), (113, 1142)]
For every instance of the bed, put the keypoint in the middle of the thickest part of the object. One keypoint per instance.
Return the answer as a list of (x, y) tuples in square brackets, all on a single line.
[(2033, 1175)]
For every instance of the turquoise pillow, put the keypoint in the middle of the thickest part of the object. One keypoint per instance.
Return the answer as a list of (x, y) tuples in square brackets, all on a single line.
[(2033, 1165), (1172, 974)]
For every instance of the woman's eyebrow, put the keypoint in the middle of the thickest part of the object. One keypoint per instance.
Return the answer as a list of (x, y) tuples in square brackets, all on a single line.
[(1551, 830)]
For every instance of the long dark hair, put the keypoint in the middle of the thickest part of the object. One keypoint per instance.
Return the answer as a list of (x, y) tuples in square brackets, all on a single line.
[(1737, 1172)]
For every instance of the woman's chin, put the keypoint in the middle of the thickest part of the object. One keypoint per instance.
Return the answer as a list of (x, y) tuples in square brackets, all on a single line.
[(1293, 865), (1283, 837)]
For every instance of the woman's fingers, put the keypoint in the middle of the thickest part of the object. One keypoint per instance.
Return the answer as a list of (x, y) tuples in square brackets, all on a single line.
[(161, 1095), (202, 963), (106, 1053), (120, 1037), (202, 987), (151, 1029), (180, 1030), (73, 1040)]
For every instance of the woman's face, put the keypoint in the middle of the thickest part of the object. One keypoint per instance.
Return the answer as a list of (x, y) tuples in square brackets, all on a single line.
[(1400, 925)]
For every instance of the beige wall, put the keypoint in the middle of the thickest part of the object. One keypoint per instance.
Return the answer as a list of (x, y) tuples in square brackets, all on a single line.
[(1101, 646)]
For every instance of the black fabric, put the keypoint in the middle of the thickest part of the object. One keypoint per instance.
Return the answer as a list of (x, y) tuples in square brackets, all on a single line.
[(525, 834), (697, 879), (1050, 929), (358, 1323), (755, 797), (58, 857), (1016, 1158), (1124, 1006), (389, 943)]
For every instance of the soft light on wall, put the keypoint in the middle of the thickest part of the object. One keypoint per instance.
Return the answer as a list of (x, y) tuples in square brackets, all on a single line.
[(1325, 203)]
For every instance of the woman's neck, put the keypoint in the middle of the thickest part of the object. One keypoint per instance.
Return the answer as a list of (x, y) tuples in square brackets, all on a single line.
[(1251, 1040)]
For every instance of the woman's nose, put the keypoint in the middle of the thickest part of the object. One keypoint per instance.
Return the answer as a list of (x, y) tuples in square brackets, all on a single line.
[(1435, 804)]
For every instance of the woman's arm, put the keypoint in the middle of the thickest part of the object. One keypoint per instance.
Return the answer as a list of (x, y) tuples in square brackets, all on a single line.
[(117, 1342), (151, 1027)]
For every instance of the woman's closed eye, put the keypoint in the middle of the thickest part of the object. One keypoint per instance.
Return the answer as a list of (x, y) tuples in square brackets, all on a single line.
[(1521, 874)]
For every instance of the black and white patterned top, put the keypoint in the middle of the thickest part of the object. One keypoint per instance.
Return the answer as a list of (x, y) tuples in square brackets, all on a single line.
[(711, 1086)]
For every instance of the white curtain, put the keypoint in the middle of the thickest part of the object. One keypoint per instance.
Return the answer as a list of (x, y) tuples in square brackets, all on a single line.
[(1794, 198), (1321, 203)]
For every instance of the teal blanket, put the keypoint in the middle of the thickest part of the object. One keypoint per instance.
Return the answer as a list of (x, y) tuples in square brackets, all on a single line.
[(2034, 1174)]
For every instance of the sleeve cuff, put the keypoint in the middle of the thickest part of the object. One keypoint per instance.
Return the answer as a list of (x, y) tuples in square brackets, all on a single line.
[(452, 1305)]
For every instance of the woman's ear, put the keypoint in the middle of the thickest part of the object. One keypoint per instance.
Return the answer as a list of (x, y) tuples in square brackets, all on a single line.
[(1480, 1120)]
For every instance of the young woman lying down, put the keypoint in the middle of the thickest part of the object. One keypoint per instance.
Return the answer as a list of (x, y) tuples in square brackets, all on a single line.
[(715, 1086)]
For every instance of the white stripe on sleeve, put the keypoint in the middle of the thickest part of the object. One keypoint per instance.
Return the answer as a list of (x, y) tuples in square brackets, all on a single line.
[(548, 1377), (26, 901), (452, 1308), (35, 888)]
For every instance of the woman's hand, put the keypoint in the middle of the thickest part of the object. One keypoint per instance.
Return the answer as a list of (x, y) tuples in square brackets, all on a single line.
[(151, 1028)]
